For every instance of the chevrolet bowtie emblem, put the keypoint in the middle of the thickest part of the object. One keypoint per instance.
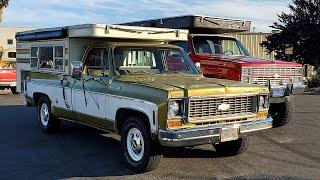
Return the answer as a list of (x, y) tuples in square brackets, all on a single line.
[(276, 76), (224, 107)]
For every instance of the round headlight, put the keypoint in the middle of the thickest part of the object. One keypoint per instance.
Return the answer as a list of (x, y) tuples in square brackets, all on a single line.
[(246, 71), (173, 108), (264, 100)]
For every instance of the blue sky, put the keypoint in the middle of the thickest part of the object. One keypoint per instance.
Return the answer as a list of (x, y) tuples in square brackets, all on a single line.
[(50, 13)]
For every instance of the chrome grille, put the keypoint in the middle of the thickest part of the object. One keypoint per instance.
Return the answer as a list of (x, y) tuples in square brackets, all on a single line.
[(204, 109), (271, 71), (273, 81)]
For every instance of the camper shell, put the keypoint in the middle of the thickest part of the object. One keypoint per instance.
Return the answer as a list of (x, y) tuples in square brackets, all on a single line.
[(197, 24), (130, 81), (72, 41)]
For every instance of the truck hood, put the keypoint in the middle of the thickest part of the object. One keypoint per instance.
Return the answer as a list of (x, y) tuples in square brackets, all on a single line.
[(250, 61), (183, 85)]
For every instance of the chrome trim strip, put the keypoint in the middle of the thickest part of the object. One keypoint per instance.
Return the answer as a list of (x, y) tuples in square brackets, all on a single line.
[(236, 116)]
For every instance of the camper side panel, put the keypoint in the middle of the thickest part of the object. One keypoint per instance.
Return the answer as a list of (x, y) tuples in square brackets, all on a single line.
[(41, 56)]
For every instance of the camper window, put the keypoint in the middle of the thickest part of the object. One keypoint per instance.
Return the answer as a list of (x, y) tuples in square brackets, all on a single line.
[(58, 58), (34, 57), (47, 57)]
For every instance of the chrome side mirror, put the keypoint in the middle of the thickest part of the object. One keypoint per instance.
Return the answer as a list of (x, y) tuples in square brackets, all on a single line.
[(76, 69)]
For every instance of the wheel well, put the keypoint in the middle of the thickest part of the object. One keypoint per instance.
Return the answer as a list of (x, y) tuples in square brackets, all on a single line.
[(123, 113), (37, 96)]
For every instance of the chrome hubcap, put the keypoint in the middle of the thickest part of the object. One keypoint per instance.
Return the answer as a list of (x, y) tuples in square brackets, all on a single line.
[(135, 144), (44, 114)]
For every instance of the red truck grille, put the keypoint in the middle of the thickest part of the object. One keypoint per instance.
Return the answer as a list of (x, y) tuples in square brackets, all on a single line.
[(271, 71), (207, 109), (277, 75)]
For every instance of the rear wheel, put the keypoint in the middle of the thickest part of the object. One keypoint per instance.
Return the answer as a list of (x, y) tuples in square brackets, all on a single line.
[(137, 147), (47, 121), (232, 148), (282, 113), (13, 90)]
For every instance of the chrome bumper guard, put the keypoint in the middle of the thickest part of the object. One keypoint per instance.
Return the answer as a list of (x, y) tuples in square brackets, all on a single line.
[(298, 88), (199, 136), (282, 91)]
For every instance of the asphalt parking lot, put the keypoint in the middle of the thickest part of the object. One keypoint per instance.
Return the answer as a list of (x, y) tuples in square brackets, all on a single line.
[(290, 152)]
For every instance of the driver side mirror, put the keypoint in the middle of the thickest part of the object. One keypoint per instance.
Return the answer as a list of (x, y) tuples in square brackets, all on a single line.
[(76, 69)]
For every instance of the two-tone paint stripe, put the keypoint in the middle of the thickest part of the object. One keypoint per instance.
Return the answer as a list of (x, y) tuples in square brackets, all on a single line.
[(109, 104)]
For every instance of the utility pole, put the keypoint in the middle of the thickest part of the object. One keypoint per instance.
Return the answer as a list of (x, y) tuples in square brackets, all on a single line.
[(3, 4)]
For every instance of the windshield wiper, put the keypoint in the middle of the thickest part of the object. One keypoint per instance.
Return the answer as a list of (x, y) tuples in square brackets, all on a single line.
[(179, 72)]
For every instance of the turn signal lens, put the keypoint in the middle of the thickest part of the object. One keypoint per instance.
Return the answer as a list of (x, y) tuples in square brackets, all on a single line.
[(174, 123), (261, 115)]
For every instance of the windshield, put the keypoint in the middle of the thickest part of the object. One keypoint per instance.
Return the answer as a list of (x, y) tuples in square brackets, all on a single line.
[(154, 60), (219, 46)]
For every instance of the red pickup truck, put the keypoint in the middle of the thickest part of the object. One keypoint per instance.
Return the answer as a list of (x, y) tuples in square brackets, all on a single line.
[(225, 57), (7, 75)]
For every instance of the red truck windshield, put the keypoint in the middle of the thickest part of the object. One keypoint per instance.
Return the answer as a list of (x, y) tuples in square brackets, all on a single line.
[(219, 45)]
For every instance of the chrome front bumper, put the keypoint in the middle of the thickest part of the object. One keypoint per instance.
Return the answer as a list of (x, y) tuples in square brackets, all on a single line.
[(298, 88), (8, 84), (282, 91), (191, 137)]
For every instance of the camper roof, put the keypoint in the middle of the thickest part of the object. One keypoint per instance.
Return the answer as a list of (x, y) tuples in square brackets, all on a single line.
[(104, 31), (197, 24)]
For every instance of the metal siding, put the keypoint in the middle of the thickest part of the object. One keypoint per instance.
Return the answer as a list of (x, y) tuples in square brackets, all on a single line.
[(252, 42)]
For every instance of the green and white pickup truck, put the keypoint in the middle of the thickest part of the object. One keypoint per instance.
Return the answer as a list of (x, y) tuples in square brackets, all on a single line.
[(129, 81)]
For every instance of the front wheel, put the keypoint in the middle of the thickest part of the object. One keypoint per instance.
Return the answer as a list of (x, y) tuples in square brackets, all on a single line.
[(232, 148), (282, 113), (137, 147)]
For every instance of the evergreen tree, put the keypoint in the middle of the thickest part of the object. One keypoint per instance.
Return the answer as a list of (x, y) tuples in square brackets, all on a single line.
[(299, 29)]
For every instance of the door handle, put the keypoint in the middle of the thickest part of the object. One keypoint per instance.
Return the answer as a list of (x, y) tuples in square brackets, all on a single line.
[(97, 79)]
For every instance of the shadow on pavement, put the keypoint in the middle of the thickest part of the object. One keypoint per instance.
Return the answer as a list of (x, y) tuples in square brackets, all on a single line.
[(76, 151)]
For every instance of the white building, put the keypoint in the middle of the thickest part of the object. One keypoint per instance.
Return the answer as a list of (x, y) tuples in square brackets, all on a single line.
[(8, 42)]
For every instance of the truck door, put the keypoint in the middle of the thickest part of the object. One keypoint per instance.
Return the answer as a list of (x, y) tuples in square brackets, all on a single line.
[(89, 93)]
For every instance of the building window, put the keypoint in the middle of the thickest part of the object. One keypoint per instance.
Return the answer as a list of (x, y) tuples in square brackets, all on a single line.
[(47, 57), (11, 54), (10, 41)]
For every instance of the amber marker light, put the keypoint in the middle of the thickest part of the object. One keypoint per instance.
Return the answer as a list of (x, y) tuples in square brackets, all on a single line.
[(261, 115), (174, 123)]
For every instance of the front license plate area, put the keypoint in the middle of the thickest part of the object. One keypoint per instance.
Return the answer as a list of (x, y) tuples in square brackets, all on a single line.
[(229, 134)]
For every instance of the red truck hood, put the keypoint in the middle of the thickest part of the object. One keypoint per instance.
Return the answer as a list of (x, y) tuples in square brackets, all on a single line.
[(250, 61)]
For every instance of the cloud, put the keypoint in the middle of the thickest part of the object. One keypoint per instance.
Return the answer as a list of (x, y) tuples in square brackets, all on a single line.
[(65, 12)]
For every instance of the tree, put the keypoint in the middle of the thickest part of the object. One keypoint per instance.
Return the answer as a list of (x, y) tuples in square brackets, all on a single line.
[(299, 29), (3, 4)]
